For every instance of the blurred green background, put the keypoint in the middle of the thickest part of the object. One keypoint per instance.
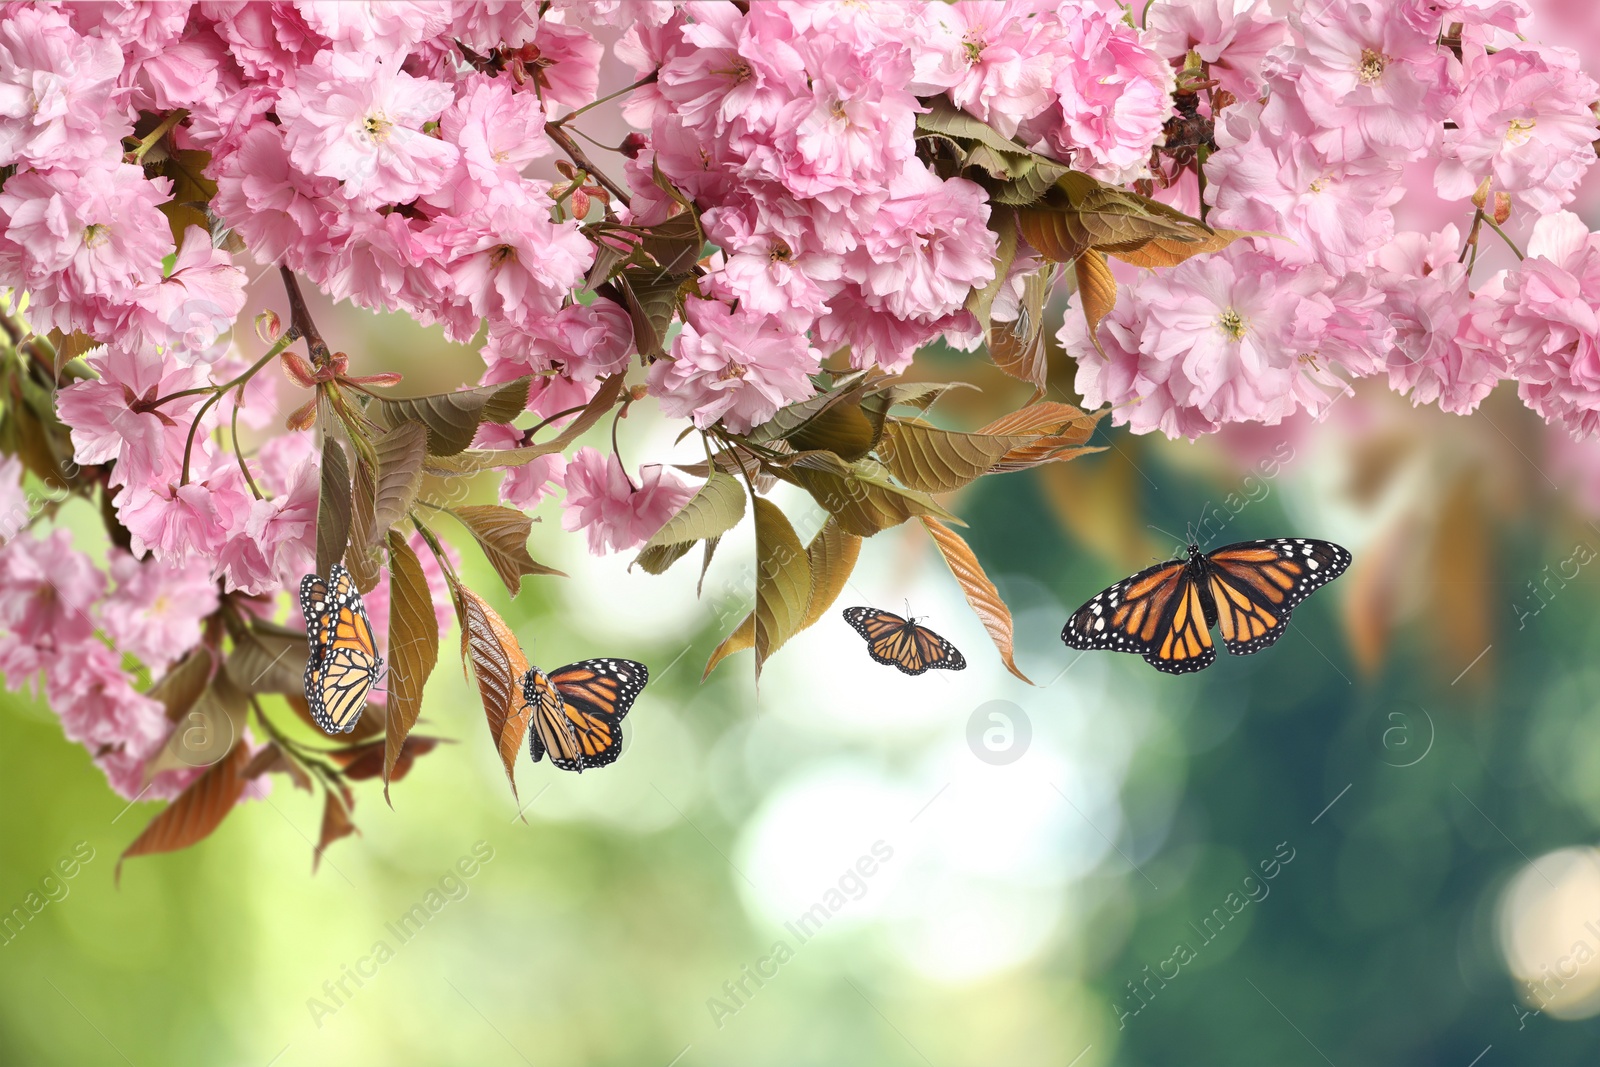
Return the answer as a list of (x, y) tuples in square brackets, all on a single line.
[(1415, 766)]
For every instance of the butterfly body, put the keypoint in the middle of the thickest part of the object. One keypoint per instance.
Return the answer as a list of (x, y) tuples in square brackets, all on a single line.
[(343, 664), (1166, 613), (577, 710), (902, 643)]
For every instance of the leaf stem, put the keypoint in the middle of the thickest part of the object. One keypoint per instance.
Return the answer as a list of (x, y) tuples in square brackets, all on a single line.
[(648, 79), (154, 136)]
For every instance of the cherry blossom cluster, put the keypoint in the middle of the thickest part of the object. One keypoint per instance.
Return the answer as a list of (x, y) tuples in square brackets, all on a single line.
[(1323, 122), (420, 157)]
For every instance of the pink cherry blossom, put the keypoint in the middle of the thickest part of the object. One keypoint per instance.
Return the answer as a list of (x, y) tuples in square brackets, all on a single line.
[(116, 417), (498, 131), (155, 610), (77, 236), (47, 590), (1323, 211), (56, 91), (1230, 37), (1000, 49), (736, 367), (613, 512), (195, 304), (1372, 81), (15, 507), (1548, 321), (1427, 300), (100, 710), (1115, 95), (360, 119), (1524, 119), (928, 246)]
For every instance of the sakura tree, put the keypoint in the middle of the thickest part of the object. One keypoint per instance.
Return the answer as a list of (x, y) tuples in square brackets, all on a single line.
[(813, 193)]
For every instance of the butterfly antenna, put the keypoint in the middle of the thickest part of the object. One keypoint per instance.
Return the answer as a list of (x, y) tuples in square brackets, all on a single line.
[(1174, 536)]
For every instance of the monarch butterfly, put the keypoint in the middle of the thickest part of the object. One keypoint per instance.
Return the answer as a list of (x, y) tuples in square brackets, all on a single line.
[(902, 643), (578, 710), (344, 663), (1166, 612)]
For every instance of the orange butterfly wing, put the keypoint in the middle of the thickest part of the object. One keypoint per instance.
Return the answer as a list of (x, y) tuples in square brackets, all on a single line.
[(901, 643), (343, 664), (1256, 585), (595, 694), (1157, 614)]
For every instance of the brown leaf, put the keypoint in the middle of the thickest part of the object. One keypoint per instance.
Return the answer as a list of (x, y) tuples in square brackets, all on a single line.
[(400, 453), (474, 460), (1063, 430), (360, 558), (333, 506), (743, 637), (205, 732), (1169, 252), (502, 533), (195, 812), (452, 419), (783, 581), (335, 824), (268, 659), (1018, 347), (498, 663), (932, 460), (862, 497), (832, 554), (413, 647), (182, 685), (979, 590), (270, 760), (361, 762), (1098, 290)]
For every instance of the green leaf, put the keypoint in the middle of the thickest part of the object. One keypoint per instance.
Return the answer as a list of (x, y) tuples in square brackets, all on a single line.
[(932, 460), (268, 659), (783, 581), (657, 558), (714, 509), (473, 461), (675, 243), (502, 533), (791, 418), (743, 637), (832, 554), (945, 118), (653, 299), (413, 647), (333, 506), (920, 395), (204, 733), (359, 557), (847, 428), (399, 453), (981, 301), (453, 418), (862, 499)]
